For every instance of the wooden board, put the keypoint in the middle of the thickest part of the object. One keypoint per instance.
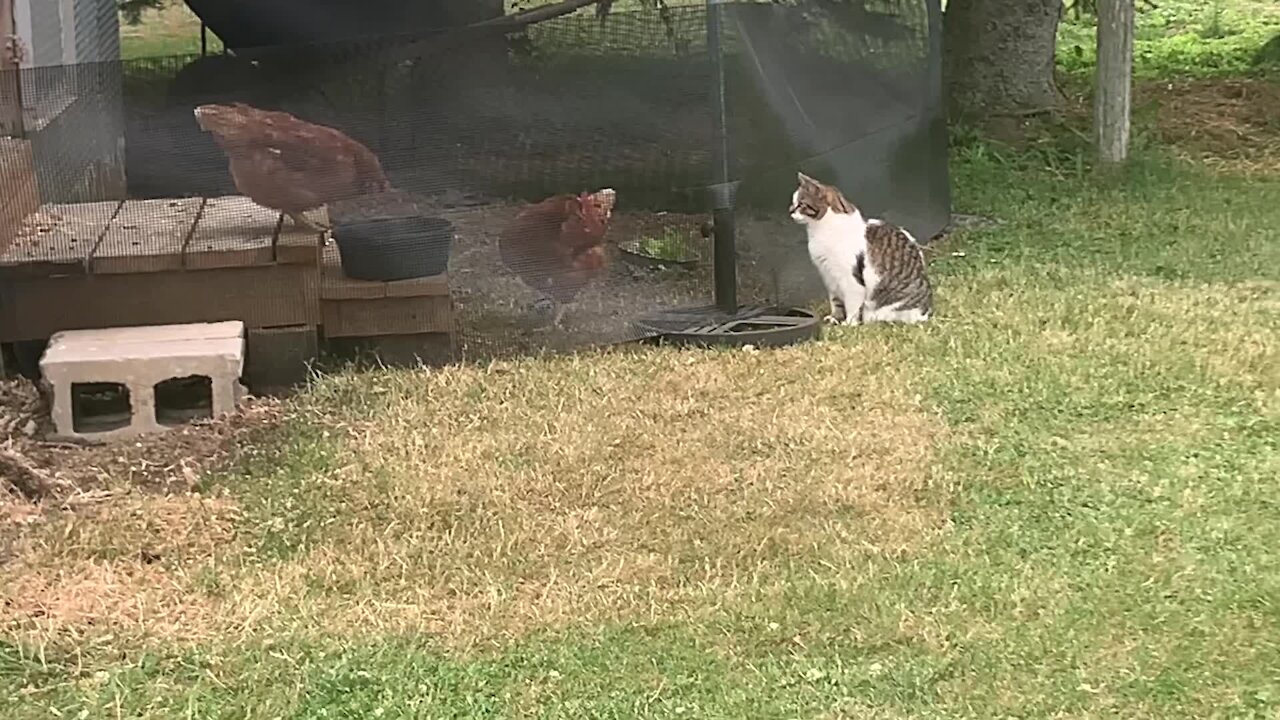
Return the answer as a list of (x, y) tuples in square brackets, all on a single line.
[(262, 296), (336, 286), (233, 231), (298, 245), (146, 236), (387, 316), (57, 239), (279, 357), (429, 349), (19, 192)]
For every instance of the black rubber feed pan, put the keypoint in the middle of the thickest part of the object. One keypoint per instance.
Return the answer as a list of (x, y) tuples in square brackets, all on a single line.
[(393, 248), (709, 327)]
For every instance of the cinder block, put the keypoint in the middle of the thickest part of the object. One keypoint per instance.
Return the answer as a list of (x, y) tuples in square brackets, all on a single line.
[(143, 379)]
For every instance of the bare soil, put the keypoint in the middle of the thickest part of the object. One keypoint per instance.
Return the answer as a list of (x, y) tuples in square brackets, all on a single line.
[(498, 314), (35, 471)]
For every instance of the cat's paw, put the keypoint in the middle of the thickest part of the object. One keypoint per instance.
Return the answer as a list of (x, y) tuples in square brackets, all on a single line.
[(851, 320), (831, 320)]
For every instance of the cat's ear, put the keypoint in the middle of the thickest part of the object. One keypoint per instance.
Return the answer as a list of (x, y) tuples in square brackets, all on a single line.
[(806, 180)]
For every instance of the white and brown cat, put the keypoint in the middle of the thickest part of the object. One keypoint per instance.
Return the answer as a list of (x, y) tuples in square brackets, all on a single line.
[(874, 271)]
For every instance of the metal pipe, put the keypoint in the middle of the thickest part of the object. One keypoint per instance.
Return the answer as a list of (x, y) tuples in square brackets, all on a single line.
[(725, 254)]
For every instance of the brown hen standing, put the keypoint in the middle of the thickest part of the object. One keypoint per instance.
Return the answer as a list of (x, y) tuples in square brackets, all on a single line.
[(290, 165), (557, 246)]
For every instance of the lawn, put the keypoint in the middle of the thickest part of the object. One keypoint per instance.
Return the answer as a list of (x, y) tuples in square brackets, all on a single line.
[(1059, 499)]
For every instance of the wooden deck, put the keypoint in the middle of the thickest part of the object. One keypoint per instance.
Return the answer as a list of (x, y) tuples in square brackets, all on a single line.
[(183, 260), (18, 186), (359, 308), (147, 236)]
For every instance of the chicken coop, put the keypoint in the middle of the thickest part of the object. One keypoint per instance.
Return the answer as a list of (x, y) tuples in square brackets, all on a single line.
[(517, 183)]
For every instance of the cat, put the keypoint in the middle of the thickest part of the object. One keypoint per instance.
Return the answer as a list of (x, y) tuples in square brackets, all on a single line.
[(874, 271)]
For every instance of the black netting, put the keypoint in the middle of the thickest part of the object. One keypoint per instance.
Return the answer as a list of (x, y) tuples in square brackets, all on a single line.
[(139, 220)]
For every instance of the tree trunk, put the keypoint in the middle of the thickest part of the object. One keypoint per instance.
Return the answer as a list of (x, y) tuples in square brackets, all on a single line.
[(999, 57)]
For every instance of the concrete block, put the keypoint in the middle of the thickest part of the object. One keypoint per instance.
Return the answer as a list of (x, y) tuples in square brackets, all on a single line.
[(107, 383)]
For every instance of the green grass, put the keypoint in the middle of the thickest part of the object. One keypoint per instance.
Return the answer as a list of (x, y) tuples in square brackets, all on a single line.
[(1185, 38), (1059, 499), (175, 30)]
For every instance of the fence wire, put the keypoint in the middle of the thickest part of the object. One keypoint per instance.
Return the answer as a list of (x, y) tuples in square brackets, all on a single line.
[(119, 208)]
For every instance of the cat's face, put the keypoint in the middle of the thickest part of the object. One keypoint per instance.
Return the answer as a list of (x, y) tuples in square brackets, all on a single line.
[(812, 200)]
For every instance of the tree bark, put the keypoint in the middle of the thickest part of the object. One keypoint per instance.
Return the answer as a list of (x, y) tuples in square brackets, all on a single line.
[(1113, 94), (999, 57)]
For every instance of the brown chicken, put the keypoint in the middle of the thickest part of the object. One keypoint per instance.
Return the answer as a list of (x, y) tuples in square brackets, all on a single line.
[(557, 246), (290, 165)]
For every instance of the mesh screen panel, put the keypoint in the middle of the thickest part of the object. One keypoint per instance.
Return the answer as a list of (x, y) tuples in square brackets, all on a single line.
[(140, 219)]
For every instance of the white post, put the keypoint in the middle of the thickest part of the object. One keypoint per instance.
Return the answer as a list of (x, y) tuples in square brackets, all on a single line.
[(10, 87), (1113, 91)]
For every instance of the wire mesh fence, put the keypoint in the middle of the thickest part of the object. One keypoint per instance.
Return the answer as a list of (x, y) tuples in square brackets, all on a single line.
[(491, 192)]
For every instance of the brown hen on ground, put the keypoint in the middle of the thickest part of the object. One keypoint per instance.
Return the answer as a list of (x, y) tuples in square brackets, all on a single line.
[(287, 164), (557, 246)]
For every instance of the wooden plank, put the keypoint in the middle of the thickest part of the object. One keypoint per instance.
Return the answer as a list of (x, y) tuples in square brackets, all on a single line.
[(146, 236), (56, 239), (233, 231), (19, 192), (335, 285), (429, 349), (279, 357), (261, 296), (434, 286), (387, 316), (298, 245)]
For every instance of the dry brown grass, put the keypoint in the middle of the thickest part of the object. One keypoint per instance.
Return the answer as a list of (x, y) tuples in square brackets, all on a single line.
[(485, 502), (117, 536), (1227, 124), (126, 565), (659, 484), (1247, 351)]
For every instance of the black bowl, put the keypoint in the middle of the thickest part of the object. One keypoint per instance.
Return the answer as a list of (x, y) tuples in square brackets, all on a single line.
[(393, 248)]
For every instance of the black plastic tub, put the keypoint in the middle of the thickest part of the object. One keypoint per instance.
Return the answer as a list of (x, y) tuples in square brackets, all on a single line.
[(393, 248)]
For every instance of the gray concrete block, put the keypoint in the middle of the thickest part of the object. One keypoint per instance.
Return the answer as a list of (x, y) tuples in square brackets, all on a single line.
[(137, 359)]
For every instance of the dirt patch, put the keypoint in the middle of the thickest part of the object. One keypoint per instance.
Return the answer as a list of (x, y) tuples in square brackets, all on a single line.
[(68, 474), (498, 314), (1228, 124), (1233, 124)]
